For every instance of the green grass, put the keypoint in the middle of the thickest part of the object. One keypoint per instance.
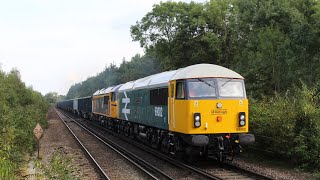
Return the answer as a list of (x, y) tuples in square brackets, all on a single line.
[(6, 169), (316, 175), (60, 167)]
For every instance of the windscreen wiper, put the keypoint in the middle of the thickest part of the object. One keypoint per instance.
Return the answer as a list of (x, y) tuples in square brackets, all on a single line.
[(201, 80), (225, 83)]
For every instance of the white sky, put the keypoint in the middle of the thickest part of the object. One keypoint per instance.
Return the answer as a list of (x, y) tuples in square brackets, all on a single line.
[(57, 43)]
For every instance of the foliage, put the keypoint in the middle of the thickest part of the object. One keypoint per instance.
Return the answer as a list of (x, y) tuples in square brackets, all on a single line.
[(288, 125), (59, 167), (21, 109), (279, 44), (271, 43), (53, 97), (6, 168), (138, 67), (181, 34)]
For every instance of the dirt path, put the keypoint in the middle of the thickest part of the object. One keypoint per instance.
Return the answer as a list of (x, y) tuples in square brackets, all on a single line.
[(57, 138)]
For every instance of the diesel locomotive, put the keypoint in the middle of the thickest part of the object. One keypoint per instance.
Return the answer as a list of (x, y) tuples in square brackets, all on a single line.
[(196, 111)]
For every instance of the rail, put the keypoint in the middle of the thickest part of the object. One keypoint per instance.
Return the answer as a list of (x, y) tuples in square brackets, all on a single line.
[(96, 164), (191, 169), (146, 167)]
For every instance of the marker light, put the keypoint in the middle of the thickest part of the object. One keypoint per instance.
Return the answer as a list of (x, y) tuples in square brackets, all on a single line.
[(197, 120), (242, 119)]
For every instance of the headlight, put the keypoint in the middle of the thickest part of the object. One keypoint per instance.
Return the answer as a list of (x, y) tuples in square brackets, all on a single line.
[(242, 123), (197, 119), (242, 119)]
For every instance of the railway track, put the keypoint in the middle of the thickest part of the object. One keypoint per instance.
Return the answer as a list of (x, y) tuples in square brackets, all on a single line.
[(228, 172), (90, 143), (101, 172)]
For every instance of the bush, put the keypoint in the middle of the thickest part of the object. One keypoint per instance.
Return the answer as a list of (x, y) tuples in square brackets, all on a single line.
[(288, 125), (60, 167), (21, 109)]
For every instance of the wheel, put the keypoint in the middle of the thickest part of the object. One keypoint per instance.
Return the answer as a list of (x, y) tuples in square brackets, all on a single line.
[(165, 146)]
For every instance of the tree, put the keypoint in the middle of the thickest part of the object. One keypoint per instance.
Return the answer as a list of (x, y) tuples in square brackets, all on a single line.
[(52, 97), (138, 67), (278, 44)]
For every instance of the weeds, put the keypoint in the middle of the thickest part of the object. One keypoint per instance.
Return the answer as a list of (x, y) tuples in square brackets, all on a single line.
[(60, 167)]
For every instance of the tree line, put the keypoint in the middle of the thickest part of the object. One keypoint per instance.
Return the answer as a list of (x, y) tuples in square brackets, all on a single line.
[(274, 44), (138, 67)]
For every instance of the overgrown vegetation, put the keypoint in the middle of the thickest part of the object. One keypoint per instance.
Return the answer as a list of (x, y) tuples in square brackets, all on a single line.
[(60, 167), (275, 45), (288, 125), (21, 108)]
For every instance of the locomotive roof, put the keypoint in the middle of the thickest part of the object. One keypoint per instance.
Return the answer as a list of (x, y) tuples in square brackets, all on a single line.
[(205, 70), (103, 91), (115, 88), (97, 92), (194, 71)]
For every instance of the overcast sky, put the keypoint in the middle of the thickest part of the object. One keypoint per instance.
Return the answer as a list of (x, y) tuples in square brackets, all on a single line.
[(57, 43)]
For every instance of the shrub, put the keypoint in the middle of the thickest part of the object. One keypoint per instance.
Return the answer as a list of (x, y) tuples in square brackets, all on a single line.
[(60, 167), (288, 125), (21, 109)]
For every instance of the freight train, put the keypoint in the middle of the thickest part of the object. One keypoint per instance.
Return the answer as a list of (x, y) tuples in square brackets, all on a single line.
[(197, 111)]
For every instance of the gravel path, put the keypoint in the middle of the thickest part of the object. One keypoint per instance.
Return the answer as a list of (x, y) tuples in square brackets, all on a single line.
[(57, 137), (273, 172)]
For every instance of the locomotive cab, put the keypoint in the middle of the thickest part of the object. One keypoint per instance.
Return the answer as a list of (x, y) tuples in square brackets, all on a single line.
[(209, 105), (210, 113)]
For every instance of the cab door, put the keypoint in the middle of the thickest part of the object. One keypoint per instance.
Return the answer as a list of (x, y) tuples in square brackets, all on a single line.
[(109, 105), (171, 102), (113, 105)]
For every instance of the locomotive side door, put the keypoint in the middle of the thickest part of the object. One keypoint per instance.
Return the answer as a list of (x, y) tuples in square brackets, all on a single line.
[(109, 104), (171, 99)]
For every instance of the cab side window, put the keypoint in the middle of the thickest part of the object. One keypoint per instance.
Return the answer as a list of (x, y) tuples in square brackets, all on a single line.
[(114, 96), (105, 99), (180, 93)]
